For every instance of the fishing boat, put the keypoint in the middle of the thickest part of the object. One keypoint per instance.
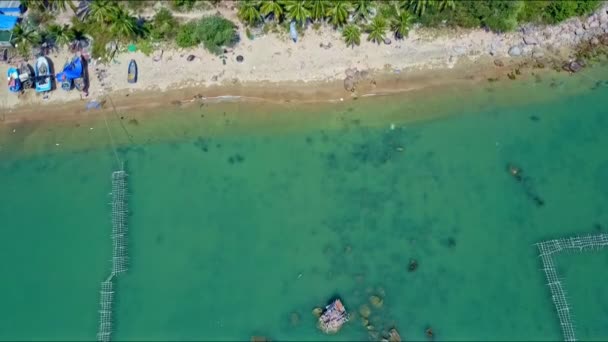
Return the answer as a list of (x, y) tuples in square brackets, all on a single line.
[(43, 75), (132, 77), (14, 83), (26, 75), (72, 74)]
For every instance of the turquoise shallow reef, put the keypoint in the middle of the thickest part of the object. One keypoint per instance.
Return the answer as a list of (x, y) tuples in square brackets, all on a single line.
[(241, 223)]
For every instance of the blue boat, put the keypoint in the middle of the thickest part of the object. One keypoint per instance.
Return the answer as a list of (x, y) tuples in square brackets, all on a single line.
[(43, 75), (72, 72), (14, 82), (132, 76)]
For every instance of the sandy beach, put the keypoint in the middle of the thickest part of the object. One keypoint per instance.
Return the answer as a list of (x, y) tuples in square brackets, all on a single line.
[(276, 68)]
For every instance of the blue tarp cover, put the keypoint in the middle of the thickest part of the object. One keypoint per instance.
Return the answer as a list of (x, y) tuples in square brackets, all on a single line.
[(71, 71), (7, 22)]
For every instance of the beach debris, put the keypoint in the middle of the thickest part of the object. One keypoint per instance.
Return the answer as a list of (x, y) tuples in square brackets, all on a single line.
[(387, 41), (413, 265), (240, 58), (317, 312), (499, 63), (325, 46), (365, 311), (376, 301), (393, 335), (190, 58), (333, 317), (429, 333), (159, 57)]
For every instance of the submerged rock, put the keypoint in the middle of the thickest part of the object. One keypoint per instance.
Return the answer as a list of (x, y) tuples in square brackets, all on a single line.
[(365, 311), (317, 312), (393, 335), (376, 301)]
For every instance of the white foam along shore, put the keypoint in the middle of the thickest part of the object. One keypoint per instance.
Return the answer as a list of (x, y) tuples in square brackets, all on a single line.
[(273, 58)]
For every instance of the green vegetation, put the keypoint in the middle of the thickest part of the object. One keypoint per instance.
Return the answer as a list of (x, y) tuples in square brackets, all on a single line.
[(110, 22), (352, 35)]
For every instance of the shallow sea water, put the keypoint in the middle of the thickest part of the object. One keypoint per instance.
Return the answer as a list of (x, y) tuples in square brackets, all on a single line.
[(240, 229)]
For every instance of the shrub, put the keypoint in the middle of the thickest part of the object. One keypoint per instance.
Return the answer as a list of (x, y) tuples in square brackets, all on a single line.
[(215, 32), (560, 10), (163, 25), (187, 35)]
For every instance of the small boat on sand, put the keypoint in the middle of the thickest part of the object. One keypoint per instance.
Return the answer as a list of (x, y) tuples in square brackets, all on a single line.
[(26, 75), (14, 83), (43, 75), (132, 76), (72, 74)]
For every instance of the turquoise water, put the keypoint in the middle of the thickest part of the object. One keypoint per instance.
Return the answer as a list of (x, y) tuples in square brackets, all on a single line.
[(241, 227)]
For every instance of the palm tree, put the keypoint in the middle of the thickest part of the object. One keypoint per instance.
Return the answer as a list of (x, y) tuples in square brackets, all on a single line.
[(297, 10), (248, 12), (401, 23), (318, 9), (352, 35), (338, 12), (102, 11), (376, 29), (446, 4), (123, 25), (363, 9), (417, 6), (62, 5), (61, 35), (23, 38), (272, 7)]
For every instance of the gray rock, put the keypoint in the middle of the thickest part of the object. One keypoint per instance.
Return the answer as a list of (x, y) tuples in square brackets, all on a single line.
[(573, 66), (387, 41), (594, 24), (579, 31), (515, 51), (460, 50), (537, 53), (594, 41), (350, 84), (530, 40)]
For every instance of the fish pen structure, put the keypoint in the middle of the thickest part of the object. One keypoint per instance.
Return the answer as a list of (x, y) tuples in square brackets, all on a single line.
[(558, 294), (119, 222), (105, 314), (119, 253)]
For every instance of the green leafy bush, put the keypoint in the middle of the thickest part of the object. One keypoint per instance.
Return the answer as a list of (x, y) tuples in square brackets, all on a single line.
[(163, 25), (560, 10), (215, 32), (187, 35)]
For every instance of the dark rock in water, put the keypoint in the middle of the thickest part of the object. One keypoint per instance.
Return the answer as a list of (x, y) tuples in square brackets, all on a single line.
[(190, 58), (240, 58), (574, 66), (515, 171), (429, 333), (451, 242), (534, 118), (413, 265)]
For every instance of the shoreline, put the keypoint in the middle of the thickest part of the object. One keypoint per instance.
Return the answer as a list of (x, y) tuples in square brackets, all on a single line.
[(137, 103), (277, 71)]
